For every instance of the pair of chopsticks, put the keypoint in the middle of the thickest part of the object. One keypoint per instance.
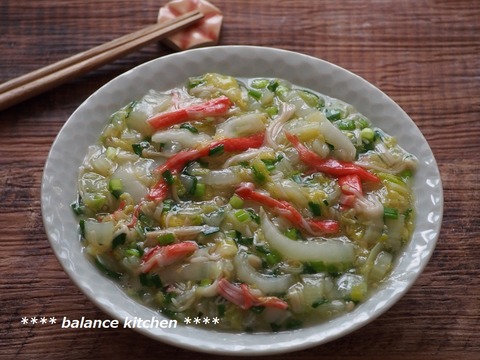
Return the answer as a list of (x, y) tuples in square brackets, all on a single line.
[(24, 87)]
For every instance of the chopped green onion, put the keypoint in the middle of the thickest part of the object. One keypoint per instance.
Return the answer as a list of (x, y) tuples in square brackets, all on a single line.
[(216, 150), (77, 208), (259, 83), (262, 249), (189, 127), (255, 217), (319, 302), (333, 114), (315, 208), (273, 85), (81, 225), (363, 123), (166, 239), (132, 252), (242, 215), (406, 174), (150, 280), (367, 134), (272, 110), (167, 205), (292, 233), (390, 213), (311, 99), (138, 147), (236, 202), (258, 174), (346, 125), (110, 273), (168, 177), (257, 95), (205, 282), (155, 279), (272, 258), (292, 324), (119, 240), (195, 81), (115, 187), (270, 163), (199, 190)]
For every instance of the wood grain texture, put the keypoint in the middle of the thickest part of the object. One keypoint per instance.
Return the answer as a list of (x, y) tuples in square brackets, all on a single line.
[(424, 54)]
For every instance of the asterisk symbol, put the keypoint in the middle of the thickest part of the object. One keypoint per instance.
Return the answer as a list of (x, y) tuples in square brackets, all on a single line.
[(24, 320), (215, 320), (187, 320), (206, 320), (52, 320), (33, 320), (197, 320), (43, 320)]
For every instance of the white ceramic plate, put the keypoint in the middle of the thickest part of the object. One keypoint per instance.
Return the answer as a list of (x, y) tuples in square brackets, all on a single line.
[(83, 128)]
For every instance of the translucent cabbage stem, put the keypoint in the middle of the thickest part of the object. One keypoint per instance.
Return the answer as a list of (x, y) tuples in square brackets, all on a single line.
[(276, 126), (332, 251), (343, 146), (268, 284)]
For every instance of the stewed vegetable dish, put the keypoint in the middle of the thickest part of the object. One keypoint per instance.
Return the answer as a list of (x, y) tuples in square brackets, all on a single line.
[(255, 202)]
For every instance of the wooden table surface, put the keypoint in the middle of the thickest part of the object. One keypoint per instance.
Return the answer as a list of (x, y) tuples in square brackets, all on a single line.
[(425, 54)]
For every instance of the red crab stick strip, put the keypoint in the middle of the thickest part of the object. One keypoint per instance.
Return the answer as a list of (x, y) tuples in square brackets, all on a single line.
[(161, 256), (177, 162), (243, 297), (214, 107), (283, 208), (329, 166), (351, 186)]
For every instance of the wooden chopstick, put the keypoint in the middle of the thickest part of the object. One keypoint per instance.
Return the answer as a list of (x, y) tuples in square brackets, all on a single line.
[(26, 86)]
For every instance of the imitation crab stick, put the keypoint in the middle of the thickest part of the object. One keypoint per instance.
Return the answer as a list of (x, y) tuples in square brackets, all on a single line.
[(161, 256), (214, 107), (329, 166), (177, 162), (283, 208), (243, 297), (351, 186)]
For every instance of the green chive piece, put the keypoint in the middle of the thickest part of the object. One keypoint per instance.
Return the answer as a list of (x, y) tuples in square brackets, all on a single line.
[(236, 202), (138, 147), (119, 240), (259, 83), (292, 233), (132, 252), (367, 134), (166, 239), (205, 282), (333, 114), (216, 150), (257, 95), (315, 208), (199, 190), (242, 215), (115, 187), (168, 177), (390, 213), (189, 127)]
